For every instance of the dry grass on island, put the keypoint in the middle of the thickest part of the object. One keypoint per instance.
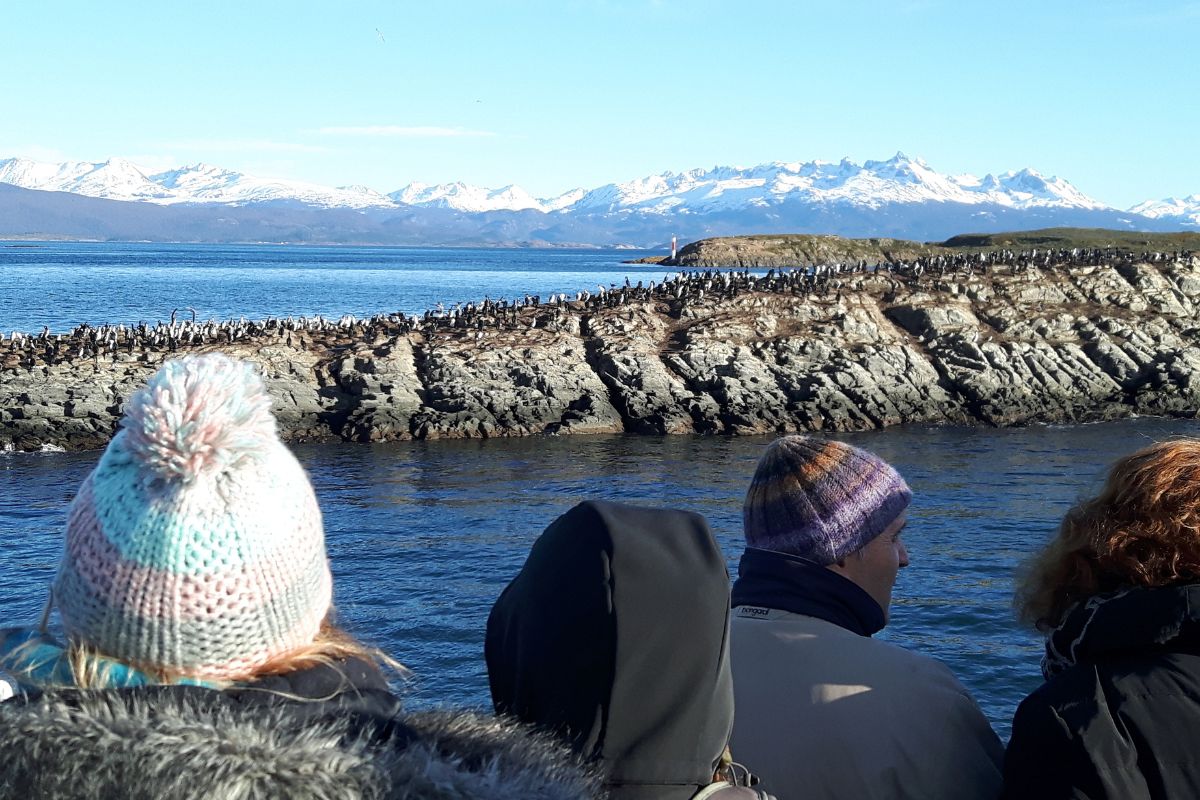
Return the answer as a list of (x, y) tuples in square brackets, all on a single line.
[(767, 251)]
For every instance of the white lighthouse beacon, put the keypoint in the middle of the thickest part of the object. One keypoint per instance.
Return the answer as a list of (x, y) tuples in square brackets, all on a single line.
[(672, 248)]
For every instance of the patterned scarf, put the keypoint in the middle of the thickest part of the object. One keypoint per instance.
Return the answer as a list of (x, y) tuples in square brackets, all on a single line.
[(35, 661)]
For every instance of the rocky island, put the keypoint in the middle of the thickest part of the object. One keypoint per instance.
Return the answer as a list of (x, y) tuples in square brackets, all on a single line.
[(1038, 327)]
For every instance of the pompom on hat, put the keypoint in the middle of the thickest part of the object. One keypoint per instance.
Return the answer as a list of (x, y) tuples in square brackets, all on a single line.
[(820, 499), (195, 546)]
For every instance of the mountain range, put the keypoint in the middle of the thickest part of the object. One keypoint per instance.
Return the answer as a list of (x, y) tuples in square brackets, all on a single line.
[(901, 197)]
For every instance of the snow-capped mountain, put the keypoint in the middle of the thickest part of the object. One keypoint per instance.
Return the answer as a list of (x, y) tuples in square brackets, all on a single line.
[(900, 179), (462, 197), (115, 179), (1187, 209), (871, 185), (900, 197), (118, 179), (563, 201), (204, 183)]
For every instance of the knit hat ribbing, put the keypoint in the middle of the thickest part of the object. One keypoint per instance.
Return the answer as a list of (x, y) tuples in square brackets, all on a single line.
[(196, 544), (820, 499)]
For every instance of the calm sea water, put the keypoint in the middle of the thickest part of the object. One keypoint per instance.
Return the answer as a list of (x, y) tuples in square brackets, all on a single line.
[(63, 284), (423, 536)]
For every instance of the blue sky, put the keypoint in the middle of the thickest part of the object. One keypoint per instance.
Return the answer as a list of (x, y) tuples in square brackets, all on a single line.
[(554, 95)]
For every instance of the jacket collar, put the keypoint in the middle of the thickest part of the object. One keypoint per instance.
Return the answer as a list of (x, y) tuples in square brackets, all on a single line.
[(791, 583)]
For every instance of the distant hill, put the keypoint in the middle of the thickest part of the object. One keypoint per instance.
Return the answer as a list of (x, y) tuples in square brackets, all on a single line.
[(1079, 237), (791, 250)]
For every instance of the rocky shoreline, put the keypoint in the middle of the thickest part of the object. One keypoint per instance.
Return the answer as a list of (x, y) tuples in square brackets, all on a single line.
[(1072, 342)]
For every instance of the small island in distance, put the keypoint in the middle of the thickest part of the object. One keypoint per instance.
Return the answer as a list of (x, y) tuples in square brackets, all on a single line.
[(765, 251), (1007, 329)]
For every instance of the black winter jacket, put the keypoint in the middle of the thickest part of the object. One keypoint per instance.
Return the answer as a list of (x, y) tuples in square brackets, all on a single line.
[(1124, 720)]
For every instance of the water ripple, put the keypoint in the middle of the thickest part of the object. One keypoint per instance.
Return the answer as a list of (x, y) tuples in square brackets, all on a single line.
[(423, 536)]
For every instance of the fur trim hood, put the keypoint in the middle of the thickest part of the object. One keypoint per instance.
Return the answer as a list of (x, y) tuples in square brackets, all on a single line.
[(176, 743)]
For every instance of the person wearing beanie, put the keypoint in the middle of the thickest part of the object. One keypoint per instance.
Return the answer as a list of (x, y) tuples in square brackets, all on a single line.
[(824, 710), (197, 654)]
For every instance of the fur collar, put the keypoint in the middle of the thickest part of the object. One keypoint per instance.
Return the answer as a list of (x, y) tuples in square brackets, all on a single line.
[(131, 744)]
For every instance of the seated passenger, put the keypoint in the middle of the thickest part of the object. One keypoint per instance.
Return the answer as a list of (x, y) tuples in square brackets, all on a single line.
[(614, 637), (199, 656), (824, 710), (1117, 594)]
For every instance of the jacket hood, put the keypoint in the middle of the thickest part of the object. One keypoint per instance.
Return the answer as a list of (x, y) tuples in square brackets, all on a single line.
[(1123, 622), (614, 636), (186, 742)]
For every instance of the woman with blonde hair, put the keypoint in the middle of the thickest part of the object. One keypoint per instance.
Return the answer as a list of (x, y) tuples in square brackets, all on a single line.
[(200, 658), (1117, 593)]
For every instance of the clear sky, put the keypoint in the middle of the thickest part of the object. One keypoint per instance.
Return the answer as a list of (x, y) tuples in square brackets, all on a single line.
[(565, 93)]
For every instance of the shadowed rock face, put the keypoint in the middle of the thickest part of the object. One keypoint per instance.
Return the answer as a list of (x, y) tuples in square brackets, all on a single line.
[(1070, 343)]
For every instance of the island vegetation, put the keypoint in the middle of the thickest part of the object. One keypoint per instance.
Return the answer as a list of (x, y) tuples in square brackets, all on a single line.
[(803, 249)]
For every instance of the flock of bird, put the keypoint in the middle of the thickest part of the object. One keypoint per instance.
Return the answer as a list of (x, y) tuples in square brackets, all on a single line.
[(24, 350)]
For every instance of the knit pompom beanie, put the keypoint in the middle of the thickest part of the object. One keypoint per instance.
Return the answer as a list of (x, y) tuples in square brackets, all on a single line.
[(820, 499), (195, 546)]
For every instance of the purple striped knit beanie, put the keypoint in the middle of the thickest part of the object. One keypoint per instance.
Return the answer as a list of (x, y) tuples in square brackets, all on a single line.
[(819, 499), (195, 546)]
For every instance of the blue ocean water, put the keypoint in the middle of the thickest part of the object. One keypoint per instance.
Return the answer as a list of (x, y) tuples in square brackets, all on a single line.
[(424, 535), (63, 284)]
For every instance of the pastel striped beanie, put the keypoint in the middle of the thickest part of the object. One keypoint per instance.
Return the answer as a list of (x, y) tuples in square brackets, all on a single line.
[(196, 545), (819, 499)]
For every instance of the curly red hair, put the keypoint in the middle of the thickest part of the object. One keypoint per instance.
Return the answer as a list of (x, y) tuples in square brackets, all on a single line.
[(1141, 530)]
